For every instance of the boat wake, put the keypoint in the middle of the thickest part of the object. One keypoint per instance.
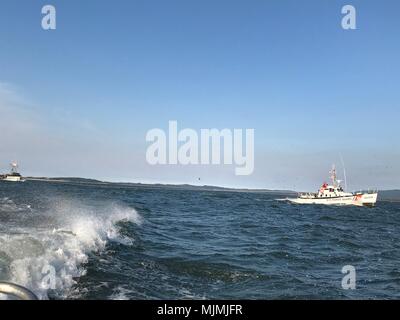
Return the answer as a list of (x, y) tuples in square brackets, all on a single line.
[(48, 257)]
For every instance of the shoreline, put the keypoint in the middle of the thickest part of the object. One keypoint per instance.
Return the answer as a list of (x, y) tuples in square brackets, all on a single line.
[(84, 181)]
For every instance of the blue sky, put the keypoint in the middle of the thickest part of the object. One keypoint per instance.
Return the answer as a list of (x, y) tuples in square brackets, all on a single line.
[(85, 95)]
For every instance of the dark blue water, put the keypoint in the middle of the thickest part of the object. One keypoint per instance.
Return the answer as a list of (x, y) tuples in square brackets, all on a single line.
[(121, 242)]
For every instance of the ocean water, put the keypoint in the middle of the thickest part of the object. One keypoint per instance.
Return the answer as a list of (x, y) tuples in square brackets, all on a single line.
[(96, 241)]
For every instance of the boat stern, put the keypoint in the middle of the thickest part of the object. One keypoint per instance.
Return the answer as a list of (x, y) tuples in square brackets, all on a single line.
[(366, 199)]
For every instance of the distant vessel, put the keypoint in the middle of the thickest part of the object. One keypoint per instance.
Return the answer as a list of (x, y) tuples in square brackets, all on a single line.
[(13, 176), (334, 194)]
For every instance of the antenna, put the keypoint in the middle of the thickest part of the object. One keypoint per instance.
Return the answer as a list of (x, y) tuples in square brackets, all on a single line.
[(344, 173)]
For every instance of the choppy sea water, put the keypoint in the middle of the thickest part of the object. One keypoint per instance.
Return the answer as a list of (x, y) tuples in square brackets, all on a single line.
[(129, 242)]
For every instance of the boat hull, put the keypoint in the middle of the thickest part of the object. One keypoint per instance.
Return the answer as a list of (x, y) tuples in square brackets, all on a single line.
[(366, 199), (12, 178)]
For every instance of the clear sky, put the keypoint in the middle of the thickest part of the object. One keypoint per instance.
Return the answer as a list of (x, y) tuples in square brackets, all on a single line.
[(78, 101)]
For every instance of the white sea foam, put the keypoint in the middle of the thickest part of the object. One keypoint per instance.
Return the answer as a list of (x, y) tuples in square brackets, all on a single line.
[(7, 205), (60, 247), (120, 293)]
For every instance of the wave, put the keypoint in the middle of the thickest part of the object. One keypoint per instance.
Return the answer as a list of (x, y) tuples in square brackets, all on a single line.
[(120, 293), (49, 257), (8, 205)]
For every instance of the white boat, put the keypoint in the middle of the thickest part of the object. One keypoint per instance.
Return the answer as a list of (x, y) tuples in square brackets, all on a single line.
[(13, 176), (333, 194)]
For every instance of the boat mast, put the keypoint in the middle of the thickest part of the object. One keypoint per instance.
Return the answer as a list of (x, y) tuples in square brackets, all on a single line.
[(333, 176), (344, 173), (14, 167)]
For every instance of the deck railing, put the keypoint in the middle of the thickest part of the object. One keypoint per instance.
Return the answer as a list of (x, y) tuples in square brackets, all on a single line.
[(17, 291)]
